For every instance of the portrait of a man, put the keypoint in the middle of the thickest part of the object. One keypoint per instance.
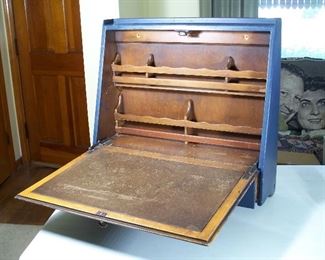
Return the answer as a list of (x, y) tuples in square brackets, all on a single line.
[(292, 88)]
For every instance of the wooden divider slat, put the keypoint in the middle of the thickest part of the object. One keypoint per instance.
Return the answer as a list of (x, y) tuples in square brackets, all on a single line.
[(190, 124), (247, 74), (251, 145), (207, 91), (251, 88)]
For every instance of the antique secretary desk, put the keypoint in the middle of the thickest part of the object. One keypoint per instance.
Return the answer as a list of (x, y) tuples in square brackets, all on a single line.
[(186, 127)]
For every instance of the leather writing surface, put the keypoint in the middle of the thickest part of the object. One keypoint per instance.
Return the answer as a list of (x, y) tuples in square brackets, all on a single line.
[(176, 191)]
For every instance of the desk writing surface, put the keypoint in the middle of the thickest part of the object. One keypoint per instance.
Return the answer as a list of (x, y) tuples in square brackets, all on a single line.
[(119, 182), (182, 190), (290, 225)]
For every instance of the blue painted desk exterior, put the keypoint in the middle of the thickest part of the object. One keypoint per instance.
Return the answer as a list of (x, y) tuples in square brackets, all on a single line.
[(268, 149)]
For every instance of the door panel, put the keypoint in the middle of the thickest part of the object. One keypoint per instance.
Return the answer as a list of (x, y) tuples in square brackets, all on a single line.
[(48, 94), (51, 63), (5, 138)]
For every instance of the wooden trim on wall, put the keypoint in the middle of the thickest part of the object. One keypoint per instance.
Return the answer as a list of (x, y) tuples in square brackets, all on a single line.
[(6, 123), (16, 80)]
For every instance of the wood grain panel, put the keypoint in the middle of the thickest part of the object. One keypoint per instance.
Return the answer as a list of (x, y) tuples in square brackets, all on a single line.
[(73, 28), (49, 114), (63, 109), (37, 25), (195, 56), (57, 29), (249, 114), (57, 154), (46, 23), (51, 63), (206, 37)]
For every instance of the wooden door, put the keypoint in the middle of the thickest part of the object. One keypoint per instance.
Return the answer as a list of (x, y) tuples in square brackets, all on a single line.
[(49, 49), (6, 154)]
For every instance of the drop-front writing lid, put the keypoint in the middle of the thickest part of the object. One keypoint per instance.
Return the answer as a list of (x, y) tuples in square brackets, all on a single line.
[(176, 189)]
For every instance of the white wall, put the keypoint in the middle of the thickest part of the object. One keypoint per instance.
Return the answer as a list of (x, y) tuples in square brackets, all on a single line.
[(9, 85), (159, 8), (174, 8), (92, 15), (133, 8)]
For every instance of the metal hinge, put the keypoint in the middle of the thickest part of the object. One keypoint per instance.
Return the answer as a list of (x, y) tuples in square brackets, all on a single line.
[(99, 143), (26, 131)]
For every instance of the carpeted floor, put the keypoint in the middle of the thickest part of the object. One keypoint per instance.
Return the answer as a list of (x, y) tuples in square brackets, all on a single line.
[(15, 238)]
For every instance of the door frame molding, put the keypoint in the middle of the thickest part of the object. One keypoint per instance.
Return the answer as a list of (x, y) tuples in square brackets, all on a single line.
[(5, 111), (16, 79)]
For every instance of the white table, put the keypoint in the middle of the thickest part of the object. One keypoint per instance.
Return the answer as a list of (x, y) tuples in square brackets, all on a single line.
[(290, 225)]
